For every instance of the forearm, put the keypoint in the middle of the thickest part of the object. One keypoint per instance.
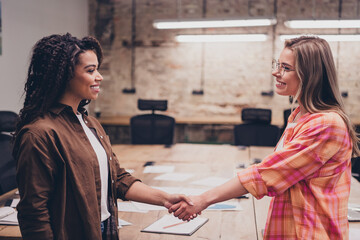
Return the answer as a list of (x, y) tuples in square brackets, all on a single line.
[(140, 192), (231, 189)]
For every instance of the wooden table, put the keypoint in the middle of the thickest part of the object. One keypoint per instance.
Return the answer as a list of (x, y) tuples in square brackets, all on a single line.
[(203, 161)]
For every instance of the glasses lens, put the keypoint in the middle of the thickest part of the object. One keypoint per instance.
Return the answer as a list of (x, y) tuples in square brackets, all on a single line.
[(274, 65)]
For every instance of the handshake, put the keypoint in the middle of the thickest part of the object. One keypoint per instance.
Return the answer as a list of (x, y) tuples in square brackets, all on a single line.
[(184, 207)]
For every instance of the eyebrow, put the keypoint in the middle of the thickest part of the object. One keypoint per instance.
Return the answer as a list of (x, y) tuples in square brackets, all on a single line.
[(90, 65), (286, 64)]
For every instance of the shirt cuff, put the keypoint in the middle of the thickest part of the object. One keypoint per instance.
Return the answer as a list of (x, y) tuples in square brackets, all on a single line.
[(251, 179)]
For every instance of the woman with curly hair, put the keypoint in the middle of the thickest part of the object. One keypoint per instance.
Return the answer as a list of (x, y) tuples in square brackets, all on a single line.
[(308, 176), (68, 176)]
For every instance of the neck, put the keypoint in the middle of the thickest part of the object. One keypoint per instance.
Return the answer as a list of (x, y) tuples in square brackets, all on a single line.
[(300, 113), (73, 104)]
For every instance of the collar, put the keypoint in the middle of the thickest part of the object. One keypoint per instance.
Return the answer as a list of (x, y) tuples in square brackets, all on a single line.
[(60, 107)]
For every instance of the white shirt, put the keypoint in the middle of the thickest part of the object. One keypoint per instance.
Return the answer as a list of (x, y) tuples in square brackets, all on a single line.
[(103, 165), (280, 145)]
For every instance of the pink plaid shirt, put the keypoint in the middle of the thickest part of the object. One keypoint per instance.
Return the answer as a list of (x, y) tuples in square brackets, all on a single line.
[(309, 180)]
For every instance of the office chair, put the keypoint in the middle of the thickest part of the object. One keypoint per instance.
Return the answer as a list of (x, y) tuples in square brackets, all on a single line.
[(286, 115), (7, 163), (152, 128), (256, 129), (355, 162)]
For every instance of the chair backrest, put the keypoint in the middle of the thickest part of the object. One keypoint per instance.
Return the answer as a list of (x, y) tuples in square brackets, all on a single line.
[(256, 129), (256, 115), (7, 163), (160, 105), (152, 129), (286, 115), (253, 134)]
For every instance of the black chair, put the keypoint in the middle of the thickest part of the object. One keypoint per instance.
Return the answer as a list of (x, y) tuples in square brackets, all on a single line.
[(256, 129), (287, 113), (355, 162), (152, 128), (7, 163)]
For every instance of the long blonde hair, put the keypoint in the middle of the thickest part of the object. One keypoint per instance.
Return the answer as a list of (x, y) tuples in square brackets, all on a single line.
[(319, 90)]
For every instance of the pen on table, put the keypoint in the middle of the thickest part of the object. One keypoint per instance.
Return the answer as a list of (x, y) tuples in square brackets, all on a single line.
[(173, 225)]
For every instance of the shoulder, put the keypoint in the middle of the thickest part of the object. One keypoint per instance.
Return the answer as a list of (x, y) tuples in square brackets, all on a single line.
[(324, 123), (330, 118), (45, 128)]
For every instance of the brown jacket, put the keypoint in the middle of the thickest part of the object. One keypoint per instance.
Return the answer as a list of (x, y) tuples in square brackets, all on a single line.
[(59, 180)]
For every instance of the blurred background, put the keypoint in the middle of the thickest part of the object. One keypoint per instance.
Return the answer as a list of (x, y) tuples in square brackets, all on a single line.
[(198, 79)]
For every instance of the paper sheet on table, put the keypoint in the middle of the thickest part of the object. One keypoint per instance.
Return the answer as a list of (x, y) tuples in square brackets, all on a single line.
[(130, 170), (225, 206), (14, 202), (148, 207), (177, 177), (8, 216), (354, 233), (123, 223), (354, 206), (129, 207), (164, 225), (159, 169), (211, 181)]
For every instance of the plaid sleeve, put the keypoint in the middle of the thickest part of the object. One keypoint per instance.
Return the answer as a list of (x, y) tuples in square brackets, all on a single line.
[(311, 146)]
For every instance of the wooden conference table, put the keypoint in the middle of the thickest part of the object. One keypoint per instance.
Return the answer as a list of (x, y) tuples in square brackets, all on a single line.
[(203, 161)]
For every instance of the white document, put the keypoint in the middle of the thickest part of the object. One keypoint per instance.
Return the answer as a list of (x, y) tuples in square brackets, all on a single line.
[(177, 177), (354, 233), (172, 225), (130, 170), (211, 181), (159, 169), (123, 223), (6, 211), (15, 202), (129, 207), (354, 206), (8, 216), (148, 207)]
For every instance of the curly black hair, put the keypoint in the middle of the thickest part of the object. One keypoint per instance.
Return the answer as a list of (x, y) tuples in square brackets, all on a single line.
[(51, 67)]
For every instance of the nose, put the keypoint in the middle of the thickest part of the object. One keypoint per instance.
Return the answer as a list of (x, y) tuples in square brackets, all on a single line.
[(99, 77), (275, 73)]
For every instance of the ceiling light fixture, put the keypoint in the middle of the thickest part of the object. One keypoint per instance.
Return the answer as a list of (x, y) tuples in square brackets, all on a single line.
[(222, 38), (323, 23), (208, 23), (329, 38)]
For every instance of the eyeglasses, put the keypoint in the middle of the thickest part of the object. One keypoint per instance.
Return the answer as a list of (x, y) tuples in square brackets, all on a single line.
[(281, 68)]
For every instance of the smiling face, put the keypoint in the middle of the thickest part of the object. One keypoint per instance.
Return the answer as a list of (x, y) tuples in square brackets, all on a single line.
[(288, 84), (86, 81)]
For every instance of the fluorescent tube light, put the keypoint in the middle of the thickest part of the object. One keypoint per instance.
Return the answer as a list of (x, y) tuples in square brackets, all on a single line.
[(323, 24), (176, 24), (329, 38), (222, 38)]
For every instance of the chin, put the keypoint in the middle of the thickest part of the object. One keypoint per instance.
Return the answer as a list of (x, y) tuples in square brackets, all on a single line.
[(281, 93)]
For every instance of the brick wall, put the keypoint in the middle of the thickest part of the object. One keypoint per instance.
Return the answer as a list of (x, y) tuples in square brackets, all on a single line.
[(234, 74)]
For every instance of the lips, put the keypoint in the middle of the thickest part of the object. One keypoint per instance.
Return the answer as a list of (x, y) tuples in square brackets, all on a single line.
[(280, 84), (96, 88)]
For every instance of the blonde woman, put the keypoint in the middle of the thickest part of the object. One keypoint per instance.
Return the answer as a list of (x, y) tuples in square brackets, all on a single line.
[(308, 176)]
